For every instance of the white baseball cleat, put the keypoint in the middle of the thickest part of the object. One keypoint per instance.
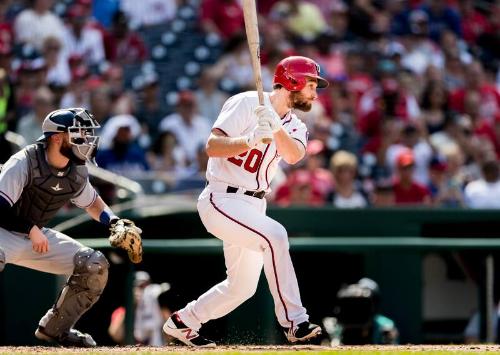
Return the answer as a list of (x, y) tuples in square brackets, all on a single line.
[(177, 329), (302, 332)]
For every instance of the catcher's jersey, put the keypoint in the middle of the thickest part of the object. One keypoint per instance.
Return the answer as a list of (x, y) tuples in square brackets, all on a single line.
[(254, 169), (15, 175)]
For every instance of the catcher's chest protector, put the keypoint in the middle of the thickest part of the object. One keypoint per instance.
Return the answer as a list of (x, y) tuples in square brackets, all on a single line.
[(48, 189)]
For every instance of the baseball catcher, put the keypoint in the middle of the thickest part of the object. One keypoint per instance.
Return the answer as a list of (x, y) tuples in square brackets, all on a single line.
[(34, 184)]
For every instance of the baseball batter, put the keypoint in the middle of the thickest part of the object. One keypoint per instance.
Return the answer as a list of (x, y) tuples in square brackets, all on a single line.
[(34, 184), (233, 208)]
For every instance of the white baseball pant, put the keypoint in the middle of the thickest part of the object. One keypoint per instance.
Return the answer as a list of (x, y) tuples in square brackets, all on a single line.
[(251, 240)]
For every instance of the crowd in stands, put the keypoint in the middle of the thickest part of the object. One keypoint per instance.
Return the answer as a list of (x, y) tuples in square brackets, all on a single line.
[(411, 116)]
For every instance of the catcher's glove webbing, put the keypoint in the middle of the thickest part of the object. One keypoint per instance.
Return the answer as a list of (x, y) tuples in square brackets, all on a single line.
[(126, 235)]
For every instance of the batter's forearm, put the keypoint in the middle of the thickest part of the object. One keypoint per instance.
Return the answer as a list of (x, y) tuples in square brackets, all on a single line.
[(289, 148), (226, 147)]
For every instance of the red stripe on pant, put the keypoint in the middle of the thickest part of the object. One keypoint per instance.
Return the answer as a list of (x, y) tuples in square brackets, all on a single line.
[(270, 246)]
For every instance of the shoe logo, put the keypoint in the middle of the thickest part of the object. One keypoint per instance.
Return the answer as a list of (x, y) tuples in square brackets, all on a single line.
[(190, 333), (56, 188)]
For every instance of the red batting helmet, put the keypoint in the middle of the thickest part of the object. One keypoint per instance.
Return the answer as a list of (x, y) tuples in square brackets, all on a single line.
[(292, 73)]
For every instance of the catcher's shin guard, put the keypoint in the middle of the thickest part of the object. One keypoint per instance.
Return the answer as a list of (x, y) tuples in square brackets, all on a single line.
[(81, 291)]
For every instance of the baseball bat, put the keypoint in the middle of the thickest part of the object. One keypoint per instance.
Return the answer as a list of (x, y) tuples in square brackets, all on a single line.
[(252, 31)]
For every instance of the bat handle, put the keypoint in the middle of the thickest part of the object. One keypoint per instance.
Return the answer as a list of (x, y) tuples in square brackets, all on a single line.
[(267, 141)]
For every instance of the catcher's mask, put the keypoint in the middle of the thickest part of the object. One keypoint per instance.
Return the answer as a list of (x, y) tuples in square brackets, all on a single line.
[(80, 125)]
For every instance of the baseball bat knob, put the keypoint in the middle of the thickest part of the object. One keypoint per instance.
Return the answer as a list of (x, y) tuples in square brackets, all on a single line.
[(267, 141)]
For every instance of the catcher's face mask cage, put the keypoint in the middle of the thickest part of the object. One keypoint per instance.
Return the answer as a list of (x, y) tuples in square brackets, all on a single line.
[(80, 126), (82, 135)]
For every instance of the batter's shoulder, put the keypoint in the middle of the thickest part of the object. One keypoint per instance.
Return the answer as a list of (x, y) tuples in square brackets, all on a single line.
[(247, 96)]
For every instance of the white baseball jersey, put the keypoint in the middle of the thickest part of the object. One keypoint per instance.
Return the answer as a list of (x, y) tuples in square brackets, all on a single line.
[(254, 169), (252, 240)]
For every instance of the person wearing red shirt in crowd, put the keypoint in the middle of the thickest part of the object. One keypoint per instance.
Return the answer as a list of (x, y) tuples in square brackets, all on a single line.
[(475, 81), (224, 17), (309, 185), (298, 191), (121, 45), (474, 24), (406, 190), (481, 126)]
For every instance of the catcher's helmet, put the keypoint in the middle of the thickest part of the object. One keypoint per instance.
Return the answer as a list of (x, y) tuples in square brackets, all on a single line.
[(79, 124), (292, 73)]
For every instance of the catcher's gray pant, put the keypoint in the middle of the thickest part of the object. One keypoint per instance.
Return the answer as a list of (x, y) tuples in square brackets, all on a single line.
[(59, 260), (251, 240)]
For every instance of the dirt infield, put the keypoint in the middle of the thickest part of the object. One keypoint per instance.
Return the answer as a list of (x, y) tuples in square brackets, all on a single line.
[(367, 349)]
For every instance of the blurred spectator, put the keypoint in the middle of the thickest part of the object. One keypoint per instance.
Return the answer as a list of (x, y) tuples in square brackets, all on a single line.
[(6, 31), (388, 100), (383, 194), (166, 156), (148, 12), (481, 126), (119, 151), (441, 17), (208, 97), (7, 114), (474, 24), (302, 19), (35, 24), (235, 66), (100, 101), (191, 129), (339, 22), (475, 81), (81, 39), (320, 179), (453, 73), (485, 192), (150, 109), (123, 101), (30, 76), (122, 45), (346, 194), (444, 189), (412, 139), (434, 106), (78, 94), (420, 51), (104, 11), (224, 17), (30, 125), (298, 191), (362, 15), (406, 190), (451, 45), (148, 316), (57, 65)]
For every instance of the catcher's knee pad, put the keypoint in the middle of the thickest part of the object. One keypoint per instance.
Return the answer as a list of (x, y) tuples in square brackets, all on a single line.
[(91, 270), (2, 259), (82, 290)]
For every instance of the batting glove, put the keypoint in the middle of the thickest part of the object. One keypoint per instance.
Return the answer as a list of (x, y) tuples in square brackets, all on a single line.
[(259, 133), (267, 115)]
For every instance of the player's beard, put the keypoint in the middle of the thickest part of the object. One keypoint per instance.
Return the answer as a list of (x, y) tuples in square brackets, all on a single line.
[(67, 150), (300, 102)]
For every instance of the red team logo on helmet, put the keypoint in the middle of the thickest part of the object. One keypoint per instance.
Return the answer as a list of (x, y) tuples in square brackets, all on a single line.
[(292, 73)]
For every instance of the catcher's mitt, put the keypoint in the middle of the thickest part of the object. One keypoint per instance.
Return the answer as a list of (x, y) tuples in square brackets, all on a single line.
[(126, 235)]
